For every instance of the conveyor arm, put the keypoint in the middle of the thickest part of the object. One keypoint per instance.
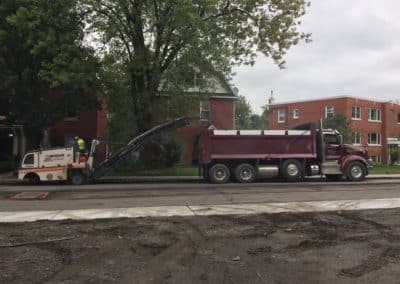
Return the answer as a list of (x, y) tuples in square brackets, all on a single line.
[(136, 143)]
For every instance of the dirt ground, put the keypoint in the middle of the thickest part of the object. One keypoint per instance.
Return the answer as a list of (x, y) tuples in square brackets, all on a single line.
[(345, 247)]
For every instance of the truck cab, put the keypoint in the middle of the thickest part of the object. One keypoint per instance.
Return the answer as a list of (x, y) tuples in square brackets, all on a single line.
[(340, 159)]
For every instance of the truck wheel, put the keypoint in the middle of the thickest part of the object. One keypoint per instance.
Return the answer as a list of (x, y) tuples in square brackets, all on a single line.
[(77, 178), (245, 173), (356, 171), (219, 173), (291, 170)]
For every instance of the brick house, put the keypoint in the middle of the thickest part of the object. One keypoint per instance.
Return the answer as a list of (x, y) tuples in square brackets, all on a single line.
[(375, 124), (87, 124), (217, 108)]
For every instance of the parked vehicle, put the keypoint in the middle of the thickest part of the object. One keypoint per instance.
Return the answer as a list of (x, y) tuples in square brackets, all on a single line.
[(244, 155), (66, 164)]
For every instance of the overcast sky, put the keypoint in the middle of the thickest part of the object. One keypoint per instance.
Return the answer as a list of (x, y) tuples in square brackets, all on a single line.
[(355, 51)]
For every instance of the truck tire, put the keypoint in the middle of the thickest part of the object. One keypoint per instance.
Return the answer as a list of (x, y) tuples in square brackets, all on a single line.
[(291, 170), (356, 171), (245, 173), (219, 173), (77, 178)]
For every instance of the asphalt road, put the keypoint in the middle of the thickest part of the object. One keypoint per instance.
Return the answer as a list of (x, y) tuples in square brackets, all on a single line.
[(170, 194)]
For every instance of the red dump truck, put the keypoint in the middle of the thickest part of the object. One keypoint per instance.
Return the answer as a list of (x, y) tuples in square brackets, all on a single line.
[(244, 155)]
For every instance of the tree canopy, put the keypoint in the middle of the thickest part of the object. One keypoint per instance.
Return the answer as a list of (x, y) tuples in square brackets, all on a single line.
[(246, 119), (159, 40), (44, 67), (341, 123)]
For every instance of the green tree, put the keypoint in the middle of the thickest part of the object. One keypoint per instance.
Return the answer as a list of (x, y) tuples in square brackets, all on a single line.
[(258, 121), (159, 41), (242, 113), (115, 91), (341, 123), (44, 68)]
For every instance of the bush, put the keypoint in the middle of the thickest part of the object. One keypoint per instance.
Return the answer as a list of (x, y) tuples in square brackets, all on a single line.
[(394, 156), (170, 150)]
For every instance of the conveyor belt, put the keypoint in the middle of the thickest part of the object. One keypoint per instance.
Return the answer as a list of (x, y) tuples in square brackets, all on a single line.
[(135, 144)]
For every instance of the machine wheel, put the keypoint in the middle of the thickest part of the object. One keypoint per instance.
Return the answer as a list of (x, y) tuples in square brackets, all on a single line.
[(77, 178), (334, 177), (219, 173), (245, 173), (32, 178), (356, 171), (291, 170)]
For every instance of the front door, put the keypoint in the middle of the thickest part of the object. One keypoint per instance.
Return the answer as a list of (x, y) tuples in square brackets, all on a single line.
[(332, 147)]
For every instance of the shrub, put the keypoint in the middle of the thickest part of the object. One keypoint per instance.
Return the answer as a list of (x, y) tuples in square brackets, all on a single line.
[(394, 156), (170, 150)]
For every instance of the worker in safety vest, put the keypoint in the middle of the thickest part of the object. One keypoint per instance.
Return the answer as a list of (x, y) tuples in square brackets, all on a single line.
[(81, 145)]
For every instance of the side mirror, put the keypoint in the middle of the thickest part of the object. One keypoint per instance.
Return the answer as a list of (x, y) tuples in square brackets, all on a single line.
[(340, 139)]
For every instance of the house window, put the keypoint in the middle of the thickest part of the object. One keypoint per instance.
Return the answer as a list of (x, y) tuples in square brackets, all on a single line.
[(204, 110), (194, 79), (374, 139), (374, 114), (296, 114), (375, 159), (356, 112), (281, 115), (398, 117), (329, 111), (356, 138)]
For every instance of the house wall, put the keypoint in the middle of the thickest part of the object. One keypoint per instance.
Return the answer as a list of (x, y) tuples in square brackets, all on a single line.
[(89, 125), (222, 113), (314, 110)]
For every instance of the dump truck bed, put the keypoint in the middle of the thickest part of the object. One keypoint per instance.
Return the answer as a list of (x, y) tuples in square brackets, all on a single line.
[(257, 144)]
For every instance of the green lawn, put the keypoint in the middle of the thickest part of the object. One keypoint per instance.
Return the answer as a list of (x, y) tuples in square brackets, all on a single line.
[(156, 170), (175, 171), (379, 170)]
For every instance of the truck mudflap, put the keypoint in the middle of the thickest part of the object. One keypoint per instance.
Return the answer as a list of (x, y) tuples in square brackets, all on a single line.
[(350, 158), (136, 143)]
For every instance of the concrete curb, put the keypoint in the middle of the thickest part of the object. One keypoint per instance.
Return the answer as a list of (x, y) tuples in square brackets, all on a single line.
[(199, 210)]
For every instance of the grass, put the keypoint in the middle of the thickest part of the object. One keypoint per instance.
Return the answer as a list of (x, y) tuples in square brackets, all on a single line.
[(135, 169), (174, 171), (381, 170)]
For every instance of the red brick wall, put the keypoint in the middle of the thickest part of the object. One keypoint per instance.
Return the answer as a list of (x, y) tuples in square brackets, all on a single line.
[(312, 111), (222, 112), (89, 125)]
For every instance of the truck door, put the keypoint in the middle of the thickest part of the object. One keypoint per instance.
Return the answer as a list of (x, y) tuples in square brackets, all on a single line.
[(332, 146)]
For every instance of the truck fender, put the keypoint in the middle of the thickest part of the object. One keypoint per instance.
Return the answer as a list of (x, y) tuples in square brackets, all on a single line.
[(350, 158)]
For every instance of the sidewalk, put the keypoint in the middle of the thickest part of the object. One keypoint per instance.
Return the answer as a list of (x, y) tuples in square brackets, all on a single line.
[(9, 178), (201, 210)]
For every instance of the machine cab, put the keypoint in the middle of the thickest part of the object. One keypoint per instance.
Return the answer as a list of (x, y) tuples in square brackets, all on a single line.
[(30, 160)]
